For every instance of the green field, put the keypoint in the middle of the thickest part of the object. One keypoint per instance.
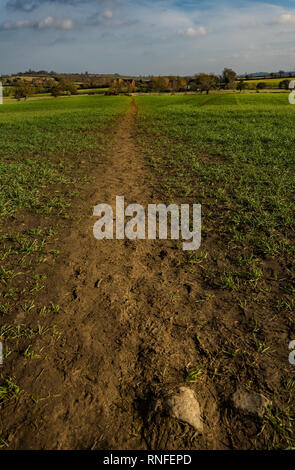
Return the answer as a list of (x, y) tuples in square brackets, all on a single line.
[(47, 151), (92, 91), (234, 154), (233, 299), (271, 83), (39, 139), (238, 151)]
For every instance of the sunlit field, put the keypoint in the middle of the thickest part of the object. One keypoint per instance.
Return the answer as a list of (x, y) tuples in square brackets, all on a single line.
[(234, 154), (227, 315), (43, 141), (230, 150), (48, 150)]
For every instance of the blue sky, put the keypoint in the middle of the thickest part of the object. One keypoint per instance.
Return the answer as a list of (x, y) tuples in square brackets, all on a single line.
[(147, 36)]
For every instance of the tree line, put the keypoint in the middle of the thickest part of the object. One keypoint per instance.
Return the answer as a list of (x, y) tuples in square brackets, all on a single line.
[(20, 88), (201, 82), (67, 84)]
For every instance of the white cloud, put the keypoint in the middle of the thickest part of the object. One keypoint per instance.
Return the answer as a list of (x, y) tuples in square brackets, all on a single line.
[(55, 23), (47, 23), (286, 18), (66, 24), (17, 25), (193, 32), (108, 14)]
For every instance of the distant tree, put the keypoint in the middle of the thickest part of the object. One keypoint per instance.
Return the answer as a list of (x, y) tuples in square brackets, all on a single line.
[(39, 85), (121, 86), (8, 91), (242, 85), (160, 83), (284, 84), (281, 73), (113, 87), (228, 77), (182, 84), (116, 86), (4, 81), (63, 87), (192, 85), (56, 91), (261, 86), (23, 90), (206, 82), (131, 86), (68, 87)]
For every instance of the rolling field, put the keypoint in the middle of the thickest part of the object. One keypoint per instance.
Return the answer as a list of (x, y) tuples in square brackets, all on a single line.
[(271, 83), (93, 332), (94, 91), (235, 156), (48, 151), (239, 151), (38, 141)]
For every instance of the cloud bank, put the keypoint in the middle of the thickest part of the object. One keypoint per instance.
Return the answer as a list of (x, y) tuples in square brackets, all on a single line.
[(147, 36), (47, 23)]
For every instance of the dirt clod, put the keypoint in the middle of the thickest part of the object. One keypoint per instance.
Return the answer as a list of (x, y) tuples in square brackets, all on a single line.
[(184, 406), (249, 402)]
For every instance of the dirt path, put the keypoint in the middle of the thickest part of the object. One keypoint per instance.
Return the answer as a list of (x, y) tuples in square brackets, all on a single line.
[(126, 330)]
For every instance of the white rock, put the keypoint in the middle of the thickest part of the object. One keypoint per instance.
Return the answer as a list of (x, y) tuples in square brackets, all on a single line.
[(250, 402), (183, 405)]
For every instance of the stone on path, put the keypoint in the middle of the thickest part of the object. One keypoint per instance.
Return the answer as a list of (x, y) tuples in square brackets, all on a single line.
[(183, 405), (249, 402)]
